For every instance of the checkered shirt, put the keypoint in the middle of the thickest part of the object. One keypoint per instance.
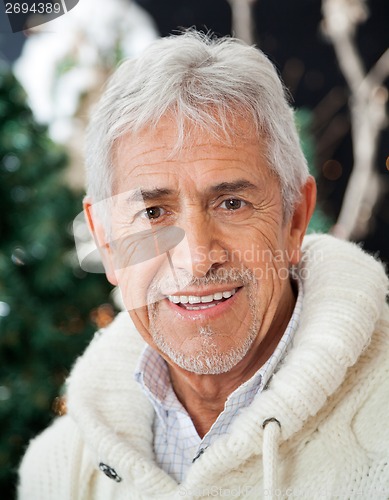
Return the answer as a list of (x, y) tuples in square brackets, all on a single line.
[(176, 442)]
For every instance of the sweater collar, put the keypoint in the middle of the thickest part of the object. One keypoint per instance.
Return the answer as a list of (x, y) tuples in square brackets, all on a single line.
[(344, 293)]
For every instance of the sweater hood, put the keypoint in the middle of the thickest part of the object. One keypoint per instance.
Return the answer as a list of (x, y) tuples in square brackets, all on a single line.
[(344, 294)]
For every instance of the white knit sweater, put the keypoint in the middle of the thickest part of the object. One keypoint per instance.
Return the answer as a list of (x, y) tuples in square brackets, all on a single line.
[(330, 396)]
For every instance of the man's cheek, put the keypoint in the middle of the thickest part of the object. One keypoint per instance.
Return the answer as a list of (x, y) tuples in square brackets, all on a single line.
[(271, 268), (135, 281)]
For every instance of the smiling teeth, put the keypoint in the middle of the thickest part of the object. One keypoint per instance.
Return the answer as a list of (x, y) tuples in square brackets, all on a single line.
[(203, 299)]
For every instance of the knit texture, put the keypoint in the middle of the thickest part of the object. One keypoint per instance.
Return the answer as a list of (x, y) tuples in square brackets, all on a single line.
[(330, 396), (176, 442)]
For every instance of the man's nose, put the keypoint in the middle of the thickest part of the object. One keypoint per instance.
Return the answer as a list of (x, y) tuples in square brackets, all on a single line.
[(201, 249)]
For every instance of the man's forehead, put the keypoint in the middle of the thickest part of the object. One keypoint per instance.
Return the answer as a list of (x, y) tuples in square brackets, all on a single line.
[(208, 177), (189, 137), (151, 149), (140, 161), (149, 159)]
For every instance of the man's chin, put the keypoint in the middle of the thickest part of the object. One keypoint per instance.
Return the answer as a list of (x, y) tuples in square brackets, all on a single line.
[(200, 365), (209, 358)]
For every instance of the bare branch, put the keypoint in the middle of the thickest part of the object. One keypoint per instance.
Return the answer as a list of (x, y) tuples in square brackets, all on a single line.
[(367, 107), (379, 72), (341, 18), (242, 19)]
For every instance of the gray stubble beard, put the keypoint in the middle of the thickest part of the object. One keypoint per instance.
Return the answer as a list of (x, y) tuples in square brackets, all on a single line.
[(209, 360)]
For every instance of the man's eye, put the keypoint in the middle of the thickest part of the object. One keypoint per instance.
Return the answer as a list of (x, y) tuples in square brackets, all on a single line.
[(153, 212), (233, 204)]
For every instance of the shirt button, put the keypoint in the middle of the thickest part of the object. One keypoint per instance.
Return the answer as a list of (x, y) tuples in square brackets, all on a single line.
[(109, 472), (201, 451)]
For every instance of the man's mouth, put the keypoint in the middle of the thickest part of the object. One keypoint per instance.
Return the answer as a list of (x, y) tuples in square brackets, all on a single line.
[(201, 302)]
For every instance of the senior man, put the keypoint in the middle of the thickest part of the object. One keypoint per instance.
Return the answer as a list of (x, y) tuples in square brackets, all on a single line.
[(248, 363)]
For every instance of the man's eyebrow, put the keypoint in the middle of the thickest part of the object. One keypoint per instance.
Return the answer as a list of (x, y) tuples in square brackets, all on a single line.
[(157, 193), (147, 194), (238, 185)]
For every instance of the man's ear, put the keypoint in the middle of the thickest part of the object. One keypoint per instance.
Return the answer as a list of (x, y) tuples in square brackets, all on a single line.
[(98, 232), (300, 219)]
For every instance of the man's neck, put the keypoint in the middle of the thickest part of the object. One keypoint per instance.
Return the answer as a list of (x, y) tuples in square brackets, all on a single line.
[(204, 396)]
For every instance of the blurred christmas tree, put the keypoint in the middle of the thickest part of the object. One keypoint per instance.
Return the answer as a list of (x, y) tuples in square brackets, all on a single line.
[(49, 307)]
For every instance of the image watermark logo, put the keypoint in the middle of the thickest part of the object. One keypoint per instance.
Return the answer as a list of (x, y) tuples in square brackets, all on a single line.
[(150, 256), (29, 14), (131, 249), (125, 239), (216, 491)]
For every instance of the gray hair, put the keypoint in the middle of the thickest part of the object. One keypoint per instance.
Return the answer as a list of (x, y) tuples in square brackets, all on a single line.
[(191, 76)]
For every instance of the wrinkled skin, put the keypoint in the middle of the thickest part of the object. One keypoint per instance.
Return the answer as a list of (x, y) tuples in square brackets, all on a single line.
[(229, 204)]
